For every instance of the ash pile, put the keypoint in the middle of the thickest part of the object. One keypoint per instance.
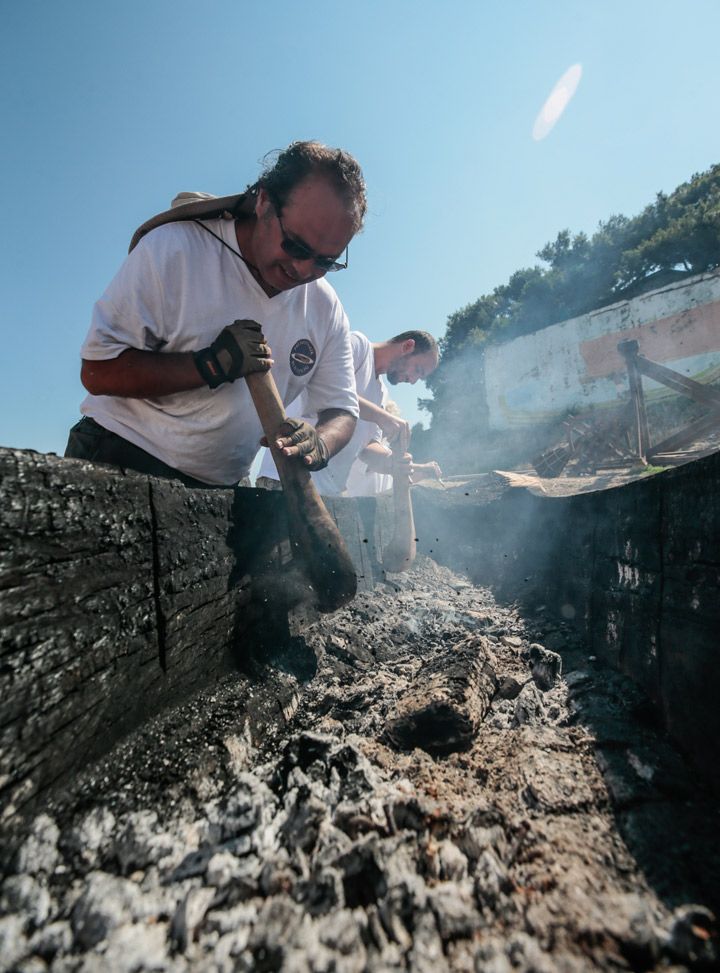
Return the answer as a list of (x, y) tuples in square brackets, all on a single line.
[(459, 788)]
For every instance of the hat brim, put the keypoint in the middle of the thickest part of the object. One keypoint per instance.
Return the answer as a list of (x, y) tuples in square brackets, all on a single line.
[(238, 205)]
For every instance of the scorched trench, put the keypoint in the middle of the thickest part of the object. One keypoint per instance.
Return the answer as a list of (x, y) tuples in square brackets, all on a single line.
[(454, 787)]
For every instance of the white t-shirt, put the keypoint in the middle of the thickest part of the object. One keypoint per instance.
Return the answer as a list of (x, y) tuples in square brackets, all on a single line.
[(332, 480), (174, 293), (363, 482)]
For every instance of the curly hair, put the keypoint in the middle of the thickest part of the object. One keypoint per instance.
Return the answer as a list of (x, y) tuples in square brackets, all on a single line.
[(302, 159)]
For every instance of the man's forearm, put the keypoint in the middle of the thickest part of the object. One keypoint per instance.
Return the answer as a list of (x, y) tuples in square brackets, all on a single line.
[(336, 427), (141, 374), (377, 458), (391, 426), (371, 412)]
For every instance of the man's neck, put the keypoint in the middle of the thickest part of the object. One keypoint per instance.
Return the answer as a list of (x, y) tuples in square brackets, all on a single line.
[(243, 235), (382, 356)]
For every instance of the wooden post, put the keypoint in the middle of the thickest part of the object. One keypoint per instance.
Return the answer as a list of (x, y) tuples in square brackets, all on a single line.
[(629, 351), (400, 552)]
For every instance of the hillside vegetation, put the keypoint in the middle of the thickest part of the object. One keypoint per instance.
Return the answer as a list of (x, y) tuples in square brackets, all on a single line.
[(675, 236)]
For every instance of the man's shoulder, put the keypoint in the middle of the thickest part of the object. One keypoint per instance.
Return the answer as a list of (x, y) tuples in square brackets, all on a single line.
[(172, 237), (323, 300), (361, 342), (361, 349)]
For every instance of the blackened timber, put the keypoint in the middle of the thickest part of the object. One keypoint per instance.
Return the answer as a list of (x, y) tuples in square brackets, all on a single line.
[(444, 708)]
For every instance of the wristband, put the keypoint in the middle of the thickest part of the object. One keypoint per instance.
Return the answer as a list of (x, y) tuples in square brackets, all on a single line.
[(209, 367)]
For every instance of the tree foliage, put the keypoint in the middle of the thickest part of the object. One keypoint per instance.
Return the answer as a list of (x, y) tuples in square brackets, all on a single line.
[(677, 235)]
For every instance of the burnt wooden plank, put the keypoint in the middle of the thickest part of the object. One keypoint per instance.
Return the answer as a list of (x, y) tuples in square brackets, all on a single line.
[(197, 597), (77, 617), (121, 594)]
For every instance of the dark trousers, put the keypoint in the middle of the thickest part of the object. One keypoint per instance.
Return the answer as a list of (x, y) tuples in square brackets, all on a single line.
[(89, 441)]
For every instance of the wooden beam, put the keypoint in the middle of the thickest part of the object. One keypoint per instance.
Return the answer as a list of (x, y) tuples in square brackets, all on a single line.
[(629, 351), (679, 383)]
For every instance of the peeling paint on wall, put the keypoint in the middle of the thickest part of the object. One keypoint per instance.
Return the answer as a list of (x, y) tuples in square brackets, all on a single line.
[(575, 365)]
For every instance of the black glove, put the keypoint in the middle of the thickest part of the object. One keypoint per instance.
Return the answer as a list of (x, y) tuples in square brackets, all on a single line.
[(309, 443), (238, 350)]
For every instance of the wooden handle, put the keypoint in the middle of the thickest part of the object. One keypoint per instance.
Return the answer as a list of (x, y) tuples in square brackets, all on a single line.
[(313, 533), (400, 553)]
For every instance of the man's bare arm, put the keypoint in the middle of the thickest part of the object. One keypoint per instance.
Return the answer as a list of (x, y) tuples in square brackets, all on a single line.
[(336, 426), (141, 374), (392, 426), (377, 458), (239, 349), (426, 471)]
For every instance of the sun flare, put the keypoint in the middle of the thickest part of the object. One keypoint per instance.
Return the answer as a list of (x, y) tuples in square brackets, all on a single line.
[(556, 102)]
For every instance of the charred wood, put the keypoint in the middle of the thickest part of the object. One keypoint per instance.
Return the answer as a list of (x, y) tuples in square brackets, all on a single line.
[(444, 708)]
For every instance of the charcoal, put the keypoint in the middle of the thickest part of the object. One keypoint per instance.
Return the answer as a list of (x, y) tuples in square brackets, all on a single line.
[(195, 863), (364, 880), (106, 903), (32, 964), (474, 839), (38, 855), (426, 954), (454, 911), (545, 666), (225, 868), (352, 654), (692, 936), (90, 840), (133, 949), (491, 879), (277, 878), (509, 688), (189, 914), (529, 707), (526, 955), (281, 927), (25, 895), (344, 840), (304, 749), (57, 937), (140, 842), (344, 932), (306, 813), (321, 893), (13, 942)]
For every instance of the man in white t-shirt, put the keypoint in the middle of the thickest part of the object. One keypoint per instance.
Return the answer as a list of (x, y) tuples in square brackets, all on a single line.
[(407, 357), (201, 303)]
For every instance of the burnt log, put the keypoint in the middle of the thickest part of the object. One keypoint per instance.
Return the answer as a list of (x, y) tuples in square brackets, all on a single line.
[(444, 708)]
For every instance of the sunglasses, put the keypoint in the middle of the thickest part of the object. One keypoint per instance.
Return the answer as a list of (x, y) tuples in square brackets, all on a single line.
[(298, 250)]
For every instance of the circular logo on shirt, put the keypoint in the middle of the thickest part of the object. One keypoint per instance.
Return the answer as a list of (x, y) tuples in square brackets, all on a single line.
[(302, 356)]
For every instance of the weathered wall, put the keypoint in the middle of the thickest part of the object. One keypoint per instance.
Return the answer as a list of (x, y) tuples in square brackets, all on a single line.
[(637, 568), (121, 594), (575, 365)]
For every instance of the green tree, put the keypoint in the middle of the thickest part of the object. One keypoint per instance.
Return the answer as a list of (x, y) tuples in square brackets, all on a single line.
[(677, 235)]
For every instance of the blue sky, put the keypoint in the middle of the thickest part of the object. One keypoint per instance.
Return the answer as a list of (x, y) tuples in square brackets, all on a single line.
[(110, 108)]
